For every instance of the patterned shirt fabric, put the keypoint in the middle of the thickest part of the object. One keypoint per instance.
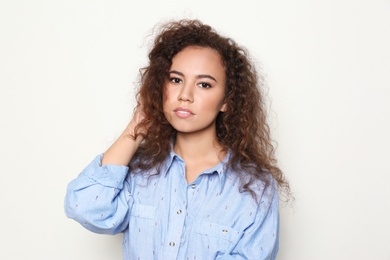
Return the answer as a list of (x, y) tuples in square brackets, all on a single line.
[(164, 217)]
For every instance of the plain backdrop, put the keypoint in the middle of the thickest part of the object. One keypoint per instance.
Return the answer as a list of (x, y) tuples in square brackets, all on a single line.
[(69, 69)]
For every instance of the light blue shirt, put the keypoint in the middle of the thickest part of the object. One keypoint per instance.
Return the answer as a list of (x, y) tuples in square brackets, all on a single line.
[(164, 217)]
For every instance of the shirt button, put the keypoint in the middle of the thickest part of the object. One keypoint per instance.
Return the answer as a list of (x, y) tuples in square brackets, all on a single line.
[(179, 212), (193, 186), (172, 243), (224, 231)]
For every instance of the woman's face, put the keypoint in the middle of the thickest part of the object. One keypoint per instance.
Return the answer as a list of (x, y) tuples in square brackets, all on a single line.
[(195, 90)]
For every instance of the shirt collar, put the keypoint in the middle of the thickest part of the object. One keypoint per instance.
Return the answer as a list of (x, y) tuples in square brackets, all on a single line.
[(220, 168)]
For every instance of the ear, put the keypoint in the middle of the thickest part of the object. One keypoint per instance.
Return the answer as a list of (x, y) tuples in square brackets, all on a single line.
[(223, 108)]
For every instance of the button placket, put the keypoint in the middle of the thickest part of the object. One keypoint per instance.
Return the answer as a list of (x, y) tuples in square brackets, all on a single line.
[(177, 215)]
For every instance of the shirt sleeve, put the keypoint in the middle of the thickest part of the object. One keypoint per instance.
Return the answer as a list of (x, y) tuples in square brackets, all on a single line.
[(99, 198), (261, 240)]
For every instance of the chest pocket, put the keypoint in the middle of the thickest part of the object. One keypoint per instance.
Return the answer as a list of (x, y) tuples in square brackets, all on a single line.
[(216, 237), (141, 230)]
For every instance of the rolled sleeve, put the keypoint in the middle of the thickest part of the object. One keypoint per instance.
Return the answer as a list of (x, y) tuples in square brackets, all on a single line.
[(108, 175), (98, 198)]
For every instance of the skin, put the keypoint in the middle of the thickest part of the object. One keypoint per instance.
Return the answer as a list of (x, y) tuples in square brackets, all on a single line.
[(195, 91), (193, 97)]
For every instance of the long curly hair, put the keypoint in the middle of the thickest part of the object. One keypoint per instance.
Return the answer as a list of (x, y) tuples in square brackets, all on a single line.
[(242, 129)]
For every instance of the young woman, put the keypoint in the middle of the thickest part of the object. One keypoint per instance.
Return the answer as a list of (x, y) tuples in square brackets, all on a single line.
[(193, 175)]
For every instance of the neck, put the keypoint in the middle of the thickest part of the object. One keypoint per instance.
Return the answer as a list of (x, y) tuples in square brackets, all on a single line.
[(195, 147)]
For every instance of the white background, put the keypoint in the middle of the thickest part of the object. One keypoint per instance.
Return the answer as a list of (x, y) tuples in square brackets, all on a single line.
[(67, 75)]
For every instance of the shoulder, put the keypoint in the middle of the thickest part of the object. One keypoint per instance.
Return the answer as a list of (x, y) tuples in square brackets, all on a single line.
[(262, 186), (139, 173)]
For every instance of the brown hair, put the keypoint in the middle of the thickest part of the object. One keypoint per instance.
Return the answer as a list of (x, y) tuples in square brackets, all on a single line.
[(242, 129)]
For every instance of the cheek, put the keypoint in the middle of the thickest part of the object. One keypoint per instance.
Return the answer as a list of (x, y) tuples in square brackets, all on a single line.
[(168, 95), (166, 109), (165, 98), (215, 103)]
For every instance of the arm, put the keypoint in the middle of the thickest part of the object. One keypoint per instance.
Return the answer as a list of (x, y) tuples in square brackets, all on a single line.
[(99, 197), (122, 150), (261, 240)]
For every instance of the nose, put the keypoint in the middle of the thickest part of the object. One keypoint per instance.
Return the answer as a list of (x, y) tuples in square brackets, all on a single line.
[(185, 93)]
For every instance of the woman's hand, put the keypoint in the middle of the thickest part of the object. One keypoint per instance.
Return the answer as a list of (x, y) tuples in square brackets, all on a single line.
[(137, 119)]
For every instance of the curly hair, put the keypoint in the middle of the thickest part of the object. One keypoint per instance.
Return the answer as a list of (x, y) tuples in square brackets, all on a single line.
[(242, 129)]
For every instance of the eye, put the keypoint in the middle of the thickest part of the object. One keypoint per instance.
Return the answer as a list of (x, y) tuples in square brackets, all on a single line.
[(204, 85), (175, 80)]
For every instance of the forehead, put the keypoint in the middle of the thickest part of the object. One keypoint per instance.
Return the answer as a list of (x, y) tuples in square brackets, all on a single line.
[(198, 57)]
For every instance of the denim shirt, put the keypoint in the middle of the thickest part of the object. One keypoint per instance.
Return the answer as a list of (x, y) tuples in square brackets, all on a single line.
[(164, 217)]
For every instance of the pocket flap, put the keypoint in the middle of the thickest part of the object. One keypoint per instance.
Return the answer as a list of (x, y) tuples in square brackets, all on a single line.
[(217, 230)]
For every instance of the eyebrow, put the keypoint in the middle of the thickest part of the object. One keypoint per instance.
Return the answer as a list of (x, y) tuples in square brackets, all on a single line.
[(201, 76)]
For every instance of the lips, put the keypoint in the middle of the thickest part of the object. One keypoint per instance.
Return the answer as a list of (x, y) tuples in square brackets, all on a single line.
[(183, 112)]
